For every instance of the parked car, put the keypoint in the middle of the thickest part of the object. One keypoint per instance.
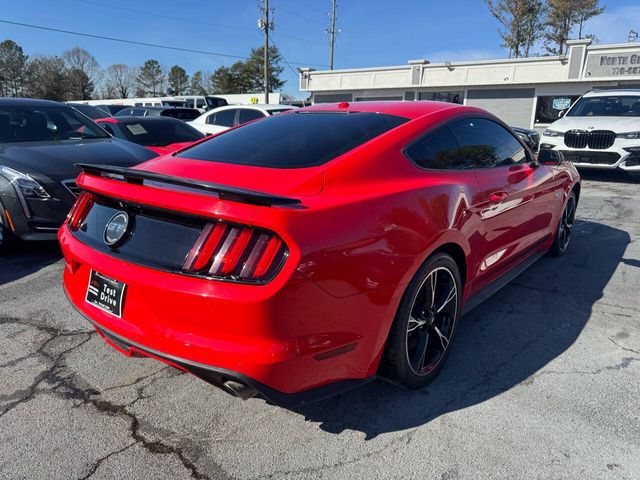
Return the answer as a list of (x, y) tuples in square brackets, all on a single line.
[(203, 102), (223, 118), (307, 253), (89, 110), (40, 141), (186, 114), (160, 134), (110, 109), (528, 136), (601, 130)]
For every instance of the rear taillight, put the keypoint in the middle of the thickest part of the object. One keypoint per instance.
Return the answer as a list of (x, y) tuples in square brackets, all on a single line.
[(79, 210), (235, 252)]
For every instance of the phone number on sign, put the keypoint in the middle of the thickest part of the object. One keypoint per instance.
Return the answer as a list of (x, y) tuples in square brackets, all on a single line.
[(626, 71)]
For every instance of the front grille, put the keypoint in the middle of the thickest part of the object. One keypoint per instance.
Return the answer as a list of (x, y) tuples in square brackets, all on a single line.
[(594, 158), (596, 139), (72, 186)]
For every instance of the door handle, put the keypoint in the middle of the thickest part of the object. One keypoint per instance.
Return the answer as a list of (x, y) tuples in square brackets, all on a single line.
[(498, 197)]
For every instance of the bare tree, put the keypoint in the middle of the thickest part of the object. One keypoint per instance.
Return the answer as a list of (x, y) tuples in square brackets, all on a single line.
[(522, 23), (119, 80), (83, 71)]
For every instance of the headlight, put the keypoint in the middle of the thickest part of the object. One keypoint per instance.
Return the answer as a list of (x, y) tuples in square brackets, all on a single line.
[(552, 133), (629, 135), (24, 183)]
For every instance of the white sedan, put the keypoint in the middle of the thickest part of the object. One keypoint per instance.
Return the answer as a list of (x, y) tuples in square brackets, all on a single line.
[(223, 118)]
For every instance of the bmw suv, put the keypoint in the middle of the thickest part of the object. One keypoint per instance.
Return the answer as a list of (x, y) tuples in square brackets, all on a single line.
[(601, 130)]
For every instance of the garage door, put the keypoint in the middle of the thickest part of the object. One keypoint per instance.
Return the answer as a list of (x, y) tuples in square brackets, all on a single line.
[(513, 106)]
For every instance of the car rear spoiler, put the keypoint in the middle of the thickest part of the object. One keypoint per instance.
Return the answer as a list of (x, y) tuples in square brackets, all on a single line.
[(225, 192)]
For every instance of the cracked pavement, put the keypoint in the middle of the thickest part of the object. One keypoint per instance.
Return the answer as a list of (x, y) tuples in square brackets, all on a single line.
[(543, 382)]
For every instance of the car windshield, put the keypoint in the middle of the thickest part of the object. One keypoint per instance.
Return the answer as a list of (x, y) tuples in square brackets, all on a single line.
[(295, 140), (23, 123), (181, 113), (609, 106), (152, 133)]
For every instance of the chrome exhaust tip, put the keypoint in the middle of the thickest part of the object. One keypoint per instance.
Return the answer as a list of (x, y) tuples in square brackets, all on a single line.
[(239, 390)]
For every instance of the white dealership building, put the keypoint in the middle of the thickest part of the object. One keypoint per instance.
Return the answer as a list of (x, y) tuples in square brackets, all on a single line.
[(525, 92)]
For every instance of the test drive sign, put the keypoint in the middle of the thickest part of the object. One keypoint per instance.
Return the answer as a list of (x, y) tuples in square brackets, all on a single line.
[(613, 65)]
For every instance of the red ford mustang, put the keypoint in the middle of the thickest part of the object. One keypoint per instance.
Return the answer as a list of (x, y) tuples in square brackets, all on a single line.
[(312, 251)]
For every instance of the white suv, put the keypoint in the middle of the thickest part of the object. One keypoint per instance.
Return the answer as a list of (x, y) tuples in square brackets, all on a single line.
[(601, 130)]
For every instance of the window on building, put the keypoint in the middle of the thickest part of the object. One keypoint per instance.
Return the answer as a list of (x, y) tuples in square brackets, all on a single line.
[(550, 107), (451, 97), (332, 97), (383, 98)]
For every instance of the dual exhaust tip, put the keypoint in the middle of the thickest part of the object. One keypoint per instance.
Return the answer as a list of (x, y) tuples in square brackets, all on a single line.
[(240, 390)]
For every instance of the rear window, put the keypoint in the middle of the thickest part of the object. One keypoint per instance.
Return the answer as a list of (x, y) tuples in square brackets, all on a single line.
[(295, 140), (161, 133), (181, 113)]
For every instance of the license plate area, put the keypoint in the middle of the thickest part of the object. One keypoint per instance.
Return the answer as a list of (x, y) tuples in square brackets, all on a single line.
[(105, 293)]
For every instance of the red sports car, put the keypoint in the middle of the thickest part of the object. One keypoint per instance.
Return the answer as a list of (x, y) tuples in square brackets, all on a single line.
[(160, 134), (312, 251)]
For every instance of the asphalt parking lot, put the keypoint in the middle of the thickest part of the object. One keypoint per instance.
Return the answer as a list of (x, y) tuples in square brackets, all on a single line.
[(543, 382)]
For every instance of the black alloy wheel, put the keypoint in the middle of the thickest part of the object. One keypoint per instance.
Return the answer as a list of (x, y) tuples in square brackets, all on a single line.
[(423, 331), (565, 227)]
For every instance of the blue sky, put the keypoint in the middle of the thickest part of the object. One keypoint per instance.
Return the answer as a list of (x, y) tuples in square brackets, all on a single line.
[(372, 32)]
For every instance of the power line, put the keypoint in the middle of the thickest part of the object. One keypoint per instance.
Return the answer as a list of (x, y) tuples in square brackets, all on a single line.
[(134, 42), (310, 7)]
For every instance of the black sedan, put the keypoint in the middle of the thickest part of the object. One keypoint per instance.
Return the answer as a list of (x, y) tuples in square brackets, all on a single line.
[(40, 141)]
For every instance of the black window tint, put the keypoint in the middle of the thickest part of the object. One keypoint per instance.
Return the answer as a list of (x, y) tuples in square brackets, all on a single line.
[(295, 140), (225, 118), (438, 149), (153, 133), (485, 144), (246, 115)]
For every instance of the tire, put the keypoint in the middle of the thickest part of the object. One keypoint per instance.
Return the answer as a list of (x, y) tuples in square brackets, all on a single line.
[(422, 333), (5, 239), (565, 227)]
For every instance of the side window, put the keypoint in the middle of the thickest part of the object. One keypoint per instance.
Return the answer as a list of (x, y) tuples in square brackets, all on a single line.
[(225, 118), (200, 103), (138, 112), (485, 144), (248, 114), (438, 149), (189, 102)]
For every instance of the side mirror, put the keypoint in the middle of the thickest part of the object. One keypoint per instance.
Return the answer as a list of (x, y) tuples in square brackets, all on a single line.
[(561, 113), (546, 156)]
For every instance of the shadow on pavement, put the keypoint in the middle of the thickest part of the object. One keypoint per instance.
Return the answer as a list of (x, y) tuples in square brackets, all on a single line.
[(25, 258), (499, 345)]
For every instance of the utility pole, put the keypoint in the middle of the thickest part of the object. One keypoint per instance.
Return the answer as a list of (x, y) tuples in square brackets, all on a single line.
[(265, 24), (332, 33)]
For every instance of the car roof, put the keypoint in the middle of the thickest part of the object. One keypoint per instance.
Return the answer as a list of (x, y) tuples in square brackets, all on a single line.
[(613, 92), (258, 106), (410, 109), (30, 102)]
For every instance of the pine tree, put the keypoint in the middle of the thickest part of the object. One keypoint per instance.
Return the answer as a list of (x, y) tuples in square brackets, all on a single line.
[(178, 80), (150, 80)]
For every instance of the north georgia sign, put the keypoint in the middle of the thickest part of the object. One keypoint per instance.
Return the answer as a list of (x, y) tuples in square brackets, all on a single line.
[(613, 65)]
